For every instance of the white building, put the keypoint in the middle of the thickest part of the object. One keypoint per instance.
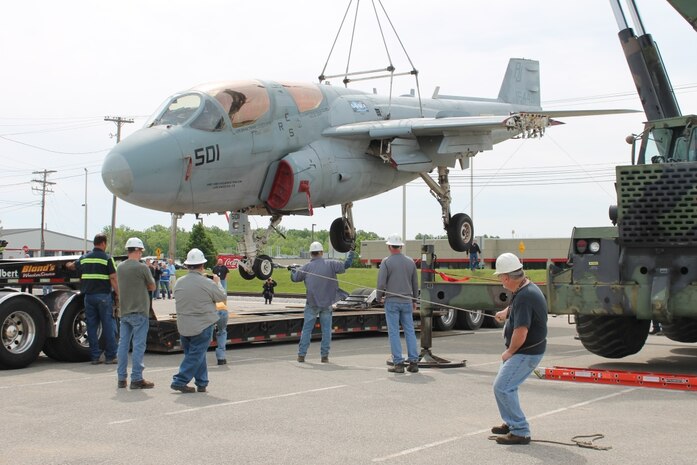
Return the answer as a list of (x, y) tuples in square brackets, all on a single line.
[(27, 241)]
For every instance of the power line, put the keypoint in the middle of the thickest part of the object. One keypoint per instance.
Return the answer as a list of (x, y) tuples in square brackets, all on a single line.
[(45, 187)]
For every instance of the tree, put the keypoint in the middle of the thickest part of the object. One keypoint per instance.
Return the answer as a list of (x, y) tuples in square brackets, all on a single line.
[(199, 239)]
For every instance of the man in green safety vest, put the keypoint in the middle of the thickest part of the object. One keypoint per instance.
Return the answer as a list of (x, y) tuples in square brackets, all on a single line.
[(97, 280)]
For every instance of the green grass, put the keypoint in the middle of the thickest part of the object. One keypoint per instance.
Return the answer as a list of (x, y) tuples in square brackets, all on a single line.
[(353, 278)]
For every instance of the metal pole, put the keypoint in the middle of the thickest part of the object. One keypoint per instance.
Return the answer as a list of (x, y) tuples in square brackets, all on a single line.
[(119, 122), (404, 212), (472, 189), (84, 243), (173, 238)]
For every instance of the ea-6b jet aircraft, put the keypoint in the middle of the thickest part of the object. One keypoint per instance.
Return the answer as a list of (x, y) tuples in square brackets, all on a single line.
[(279, 148)]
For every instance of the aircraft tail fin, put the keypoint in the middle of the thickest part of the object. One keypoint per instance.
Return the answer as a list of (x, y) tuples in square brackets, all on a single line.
[(521, 84)]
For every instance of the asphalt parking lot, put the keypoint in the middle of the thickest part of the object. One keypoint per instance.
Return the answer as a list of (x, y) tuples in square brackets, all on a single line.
[(265, 408)]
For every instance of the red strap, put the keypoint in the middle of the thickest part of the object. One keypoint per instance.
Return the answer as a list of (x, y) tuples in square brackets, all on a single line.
[(448, 278)]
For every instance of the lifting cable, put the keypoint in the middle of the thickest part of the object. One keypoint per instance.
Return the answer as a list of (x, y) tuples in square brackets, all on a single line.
[(390, 68), (413, 299)]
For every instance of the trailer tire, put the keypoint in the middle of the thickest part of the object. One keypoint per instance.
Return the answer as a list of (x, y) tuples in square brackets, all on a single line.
[(470, 319), (71, 343), (491, 322), (681, 330), (23, 331), (612, 336), (447, 321)]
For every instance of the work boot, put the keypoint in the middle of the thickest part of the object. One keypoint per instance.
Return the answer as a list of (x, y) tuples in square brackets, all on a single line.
[(325, 359), (512, 439), (182, 388), (200, 388), (121, 383), (503, 429), (142, 384), (301, 358), (111, 361), (222, 361), (396, 368), (413, 367)]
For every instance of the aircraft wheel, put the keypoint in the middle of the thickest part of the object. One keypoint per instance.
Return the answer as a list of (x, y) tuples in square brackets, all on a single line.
[(22, 331), (460, 232), (244, 273), (263, 267), (339, 236)]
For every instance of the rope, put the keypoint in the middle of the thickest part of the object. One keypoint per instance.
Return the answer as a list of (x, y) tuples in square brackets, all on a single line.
[(413, 299), (575, 441)]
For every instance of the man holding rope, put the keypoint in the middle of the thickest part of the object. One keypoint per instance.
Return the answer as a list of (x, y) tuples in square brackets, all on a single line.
[(322, 287), (398, 284), (525, 336)]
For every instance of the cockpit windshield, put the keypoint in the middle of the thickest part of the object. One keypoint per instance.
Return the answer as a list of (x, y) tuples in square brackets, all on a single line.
[(244, 101), (178, 110)]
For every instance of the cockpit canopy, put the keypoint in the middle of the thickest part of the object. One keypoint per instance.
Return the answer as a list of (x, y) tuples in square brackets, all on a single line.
[(244, 102)]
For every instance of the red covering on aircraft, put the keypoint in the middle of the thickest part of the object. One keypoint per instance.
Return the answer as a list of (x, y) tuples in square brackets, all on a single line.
[(305, 187), (282, 187)]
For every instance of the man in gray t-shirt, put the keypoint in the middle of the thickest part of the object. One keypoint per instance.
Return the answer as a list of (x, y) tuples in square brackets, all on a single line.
[(399, 285), (136, 283)]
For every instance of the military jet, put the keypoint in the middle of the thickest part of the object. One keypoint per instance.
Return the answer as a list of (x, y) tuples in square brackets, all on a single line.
[(281, 148)]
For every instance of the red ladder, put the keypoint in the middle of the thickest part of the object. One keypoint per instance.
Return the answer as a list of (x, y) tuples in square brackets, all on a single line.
[(623, 378)]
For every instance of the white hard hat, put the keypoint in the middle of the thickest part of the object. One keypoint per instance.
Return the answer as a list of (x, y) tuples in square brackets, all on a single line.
[(316, 247), (134, 243), (195, 257), (507, 263), (395, 239)]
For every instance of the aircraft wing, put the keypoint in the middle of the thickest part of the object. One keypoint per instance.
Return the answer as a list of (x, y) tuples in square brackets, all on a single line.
[(413, 127)]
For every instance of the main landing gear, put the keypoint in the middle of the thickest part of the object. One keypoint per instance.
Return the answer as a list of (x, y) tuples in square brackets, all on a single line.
[(342, 234), (459, 226)]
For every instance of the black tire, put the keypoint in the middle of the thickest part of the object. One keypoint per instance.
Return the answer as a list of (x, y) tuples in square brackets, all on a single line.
[(471, 319), (447, 321), (244, 274), (22, 333), (681, 330), (460, 232), (71, 344), (263, 267), (612, 336), (490, 321), (339, 236)]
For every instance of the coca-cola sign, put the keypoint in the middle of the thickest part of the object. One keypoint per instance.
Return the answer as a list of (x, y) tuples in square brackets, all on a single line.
[(230, 260)]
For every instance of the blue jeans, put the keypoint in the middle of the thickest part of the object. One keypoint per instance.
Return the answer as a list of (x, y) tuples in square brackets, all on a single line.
[(99, 308), (194, 364), (325, 322), (401, 312), (134, 326), (474, 261), (164, 289), (221, 335), (223, 282), (154, 294), (511, 374)]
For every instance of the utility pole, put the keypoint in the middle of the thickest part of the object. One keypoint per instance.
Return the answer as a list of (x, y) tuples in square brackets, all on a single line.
[(45, 187), (120, 121)]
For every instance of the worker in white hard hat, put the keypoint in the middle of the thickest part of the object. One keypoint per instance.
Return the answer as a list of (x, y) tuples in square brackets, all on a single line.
[(196, 296), (525, 337), (322, 287), (398, 286), (136, 283)]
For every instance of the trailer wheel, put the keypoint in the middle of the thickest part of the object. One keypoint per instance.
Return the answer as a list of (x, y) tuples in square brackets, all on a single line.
[(471, 319), (490, 321), (612, 336), (681, 330), (23, 333), (447, 321), (71, 345)]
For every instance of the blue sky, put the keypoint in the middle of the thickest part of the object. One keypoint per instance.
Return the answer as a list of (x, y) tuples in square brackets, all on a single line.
[(69, 64)]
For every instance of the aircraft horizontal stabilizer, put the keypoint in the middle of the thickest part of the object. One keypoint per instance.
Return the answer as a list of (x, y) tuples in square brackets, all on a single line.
[(569, 113)]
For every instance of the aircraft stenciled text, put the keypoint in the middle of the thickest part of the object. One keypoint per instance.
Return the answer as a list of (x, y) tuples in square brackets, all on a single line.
[(207, 154)]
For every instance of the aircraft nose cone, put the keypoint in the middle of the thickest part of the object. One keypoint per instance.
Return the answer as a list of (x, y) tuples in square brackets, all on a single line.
[(117, 174)]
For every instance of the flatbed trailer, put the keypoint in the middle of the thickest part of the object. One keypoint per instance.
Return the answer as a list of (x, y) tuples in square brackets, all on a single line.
[(55, 322)]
